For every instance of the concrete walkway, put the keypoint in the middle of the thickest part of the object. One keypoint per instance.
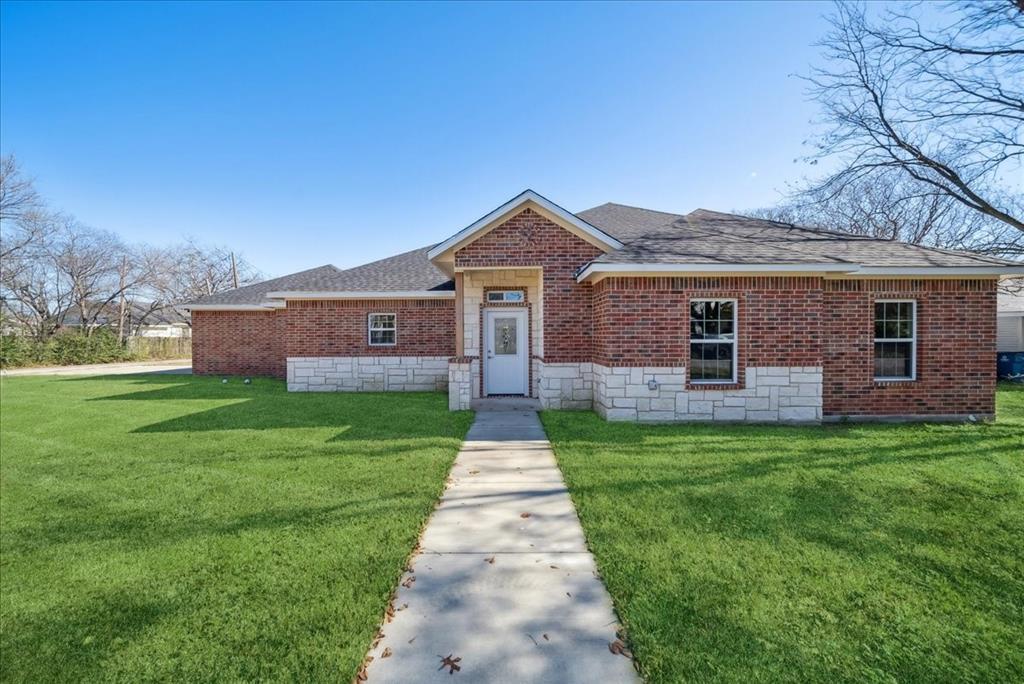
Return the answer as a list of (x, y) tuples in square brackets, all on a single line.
[(176, 367), (504, 581)]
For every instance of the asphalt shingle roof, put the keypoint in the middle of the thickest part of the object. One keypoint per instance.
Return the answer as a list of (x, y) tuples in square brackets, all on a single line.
[(312, 279), (700, 237), (708, 237), (407, 271)]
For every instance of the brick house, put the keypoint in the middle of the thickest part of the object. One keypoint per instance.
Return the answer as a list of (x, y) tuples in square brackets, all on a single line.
[(637, 314)]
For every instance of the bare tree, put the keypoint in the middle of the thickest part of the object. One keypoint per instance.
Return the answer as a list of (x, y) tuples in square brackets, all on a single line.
[(199, 270), (23, 217), (940, 103), (890, 206), (33, 292), (51, 264)]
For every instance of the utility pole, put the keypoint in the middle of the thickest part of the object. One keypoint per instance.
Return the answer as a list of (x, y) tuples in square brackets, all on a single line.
[(234, 271), (121, 302)]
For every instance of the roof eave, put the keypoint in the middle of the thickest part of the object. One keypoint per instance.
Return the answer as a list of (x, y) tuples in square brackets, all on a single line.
[(363, 294), (594, 270), (599, 270)]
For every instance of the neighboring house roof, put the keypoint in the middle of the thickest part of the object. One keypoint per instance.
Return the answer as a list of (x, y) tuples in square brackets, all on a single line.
[(167, 315), (634, 239), (1011, 304)]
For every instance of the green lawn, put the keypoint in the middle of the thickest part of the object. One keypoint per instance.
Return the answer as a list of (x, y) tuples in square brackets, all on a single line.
[(174, 528), (855, 553)]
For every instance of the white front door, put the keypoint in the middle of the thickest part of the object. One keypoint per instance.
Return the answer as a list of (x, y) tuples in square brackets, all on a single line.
[(505, 353)]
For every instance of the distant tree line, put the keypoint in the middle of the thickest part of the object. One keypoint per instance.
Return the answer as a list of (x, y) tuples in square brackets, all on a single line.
[(923, 125), (52, 264)]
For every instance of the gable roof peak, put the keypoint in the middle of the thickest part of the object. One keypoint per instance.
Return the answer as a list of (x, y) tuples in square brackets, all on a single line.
[(585, 229)]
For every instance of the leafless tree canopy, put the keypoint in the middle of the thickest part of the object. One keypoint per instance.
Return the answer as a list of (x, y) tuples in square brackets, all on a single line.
[(51, 264), (937, 103)]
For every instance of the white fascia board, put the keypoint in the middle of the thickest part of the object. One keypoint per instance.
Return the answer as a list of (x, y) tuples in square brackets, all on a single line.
[(512, 205), (990, 271), (355, 294), (684, 269), (269, 306)]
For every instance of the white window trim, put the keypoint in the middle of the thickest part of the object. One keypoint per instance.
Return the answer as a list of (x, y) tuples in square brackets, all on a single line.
[(912, 339), (735, 342), (369, 329)]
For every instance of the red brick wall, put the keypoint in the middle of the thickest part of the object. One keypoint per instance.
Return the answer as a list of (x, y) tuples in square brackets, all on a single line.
[(529, 240), (238, 343), (956, 332), (426, 327), (646, 321)]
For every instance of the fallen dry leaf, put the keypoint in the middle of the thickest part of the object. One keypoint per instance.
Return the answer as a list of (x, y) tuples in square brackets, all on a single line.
[(474, 472), (489, 560), (545, 637), (554, 567), (402, 607), (411, 640), (619, 648), (532, 639), (386, 653), (451, 663), (407, 582), (568, 594), (524, 515)]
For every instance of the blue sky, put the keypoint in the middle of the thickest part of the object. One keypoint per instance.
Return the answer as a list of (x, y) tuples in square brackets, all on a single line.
[(304, 134)]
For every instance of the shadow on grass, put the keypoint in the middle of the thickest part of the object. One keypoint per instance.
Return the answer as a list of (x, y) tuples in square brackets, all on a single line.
[(266, 405), (854, 518)]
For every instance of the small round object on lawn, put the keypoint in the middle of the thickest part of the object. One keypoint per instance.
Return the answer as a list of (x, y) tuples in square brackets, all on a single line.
[(223, 381), (247, 381)]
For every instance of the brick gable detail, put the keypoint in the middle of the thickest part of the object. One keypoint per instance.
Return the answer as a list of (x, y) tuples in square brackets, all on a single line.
[(529, 240)]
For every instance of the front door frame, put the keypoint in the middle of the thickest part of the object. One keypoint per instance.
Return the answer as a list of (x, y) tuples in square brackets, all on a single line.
[(522, 345)]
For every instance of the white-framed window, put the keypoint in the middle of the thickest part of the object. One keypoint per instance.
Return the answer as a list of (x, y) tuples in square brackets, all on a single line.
[(383, 329), (511, 296), (895, 339), (713, 341)]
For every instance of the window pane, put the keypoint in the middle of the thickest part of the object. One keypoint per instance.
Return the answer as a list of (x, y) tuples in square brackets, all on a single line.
[(726, 310), (382, 321), (505, 335), (711, 361), (893, 359), (382, 337)]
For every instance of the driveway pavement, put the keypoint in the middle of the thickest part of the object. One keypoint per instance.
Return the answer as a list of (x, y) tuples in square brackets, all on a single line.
[(177, 367), (503, 581)]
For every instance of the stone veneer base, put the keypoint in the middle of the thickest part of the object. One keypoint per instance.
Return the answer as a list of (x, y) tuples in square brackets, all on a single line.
[(564, 385), (772, 394), (367, 373)]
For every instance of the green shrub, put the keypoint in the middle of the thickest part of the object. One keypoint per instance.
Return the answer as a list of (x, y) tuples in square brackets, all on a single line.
[(74, 348), (64, 349), (16, 350)]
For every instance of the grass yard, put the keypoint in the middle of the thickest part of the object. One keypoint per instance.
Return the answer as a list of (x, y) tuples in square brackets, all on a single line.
[(174, 528), (852, 553)]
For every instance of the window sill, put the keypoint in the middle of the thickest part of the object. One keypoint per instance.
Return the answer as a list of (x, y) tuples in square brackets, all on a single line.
[(888, 381), (714, 386)]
